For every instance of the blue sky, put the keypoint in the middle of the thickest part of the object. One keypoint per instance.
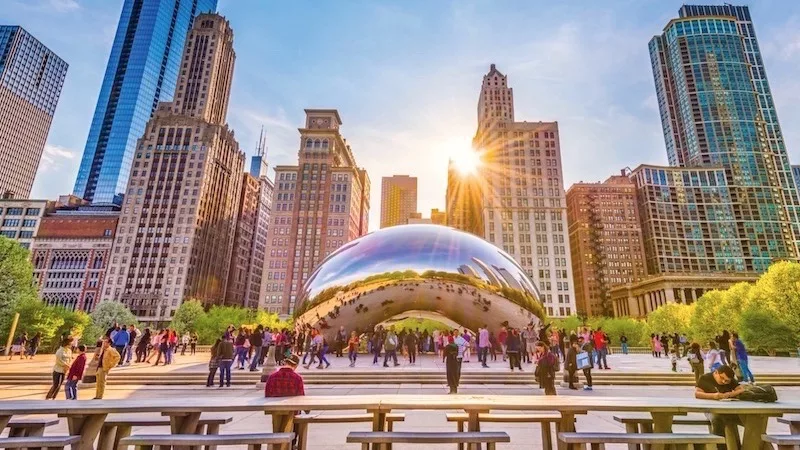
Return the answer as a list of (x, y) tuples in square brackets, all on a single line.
[(405, 76)]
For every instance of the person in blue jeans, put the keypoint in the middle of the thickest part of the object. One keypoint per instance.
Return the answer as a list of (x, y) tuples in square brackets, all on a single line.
[(225, 355), (741, 356), (623, 342)]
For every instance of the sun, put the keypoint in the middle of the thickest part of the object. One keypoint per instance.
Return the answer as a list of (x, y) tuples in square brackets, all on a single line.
[(467, 162)]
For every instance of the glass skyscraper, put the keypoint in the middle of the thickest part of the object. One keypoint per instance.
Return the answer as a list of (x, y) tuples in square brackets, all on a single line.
[(142, 71), (717, 112), (31, 78)]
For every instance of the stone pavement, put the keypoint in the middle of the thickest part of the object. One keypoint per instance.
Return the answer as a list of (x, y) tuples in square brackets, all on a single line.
[(619, 364)]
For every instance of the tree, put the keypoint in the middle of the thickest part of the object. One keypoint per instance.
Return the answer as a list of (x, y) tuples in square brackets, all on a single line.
[(779, 290), (764, 331), (36, 317), (211, 325), (670, 318), (105, 314), (719, 310), (75, 323), (16, 280), (187, 315)]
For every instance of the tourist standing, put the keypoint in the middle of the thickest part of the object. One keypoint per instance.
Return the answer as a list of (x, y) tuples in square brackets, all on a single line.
[(483, 345), (695, 357), (141, 347), (546, 368), (741, 356), (19, 346), (623, 342), (571, 363), (75, 374), (184, 342), (133, 333), (725, 347), (61, 367), (109, 358), (555, 340), (513, 346), (586, 346), (493, 345), (411, 344), (241, 346), (601, 346), (33, 345), (502, 336), (213, 363), (352, 348), (467, 345), (436, 334), (390, 345), (341, 341), (657, 346), (121, 340), (225, 357), (256, 344), (714, 357), (193, 343), (452, 366)]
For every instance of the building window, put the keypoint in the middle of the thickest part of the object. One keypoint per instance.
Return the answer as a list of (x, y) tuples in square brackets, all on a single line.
[(32, 212), (14, 211)]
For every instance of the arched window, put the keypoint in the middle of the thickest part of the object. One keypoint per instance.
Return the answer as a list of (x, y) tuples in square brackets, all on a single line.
[(309, 143), (324, 143), (317, 143)]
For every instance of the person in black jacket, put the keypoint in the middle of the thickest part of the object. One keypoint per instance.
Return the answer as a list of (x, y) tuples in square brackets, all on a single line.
[(513, 347), (451, 366), (571, 362), (546, 368), (256, 343)]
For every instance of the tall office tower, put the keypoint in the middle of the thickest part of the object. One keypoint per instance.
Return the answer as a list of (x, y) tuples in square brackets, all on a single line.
[(524, 206), (796, 174), (398, 199), (717, 110), (318, 206), (605, 238), (243, 241), (70, 255), (256, 287), (464, 200), (177, 227), (142, 71), (31, 78), (438, 217)]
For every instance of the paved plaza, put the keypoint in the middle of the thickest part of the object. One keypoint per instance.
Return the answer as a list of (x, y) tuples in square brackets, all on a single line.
[(524, 436)]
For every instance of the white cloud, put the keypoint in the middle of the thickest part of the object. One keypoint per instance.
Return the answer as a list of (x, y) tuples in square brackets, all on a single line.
[(54, 157), (64, 5), (56, 173)]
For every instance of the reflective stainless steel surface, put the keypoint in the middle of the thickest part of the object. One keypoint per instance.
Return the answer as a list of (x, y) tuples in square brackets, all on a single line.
[(407, 268)]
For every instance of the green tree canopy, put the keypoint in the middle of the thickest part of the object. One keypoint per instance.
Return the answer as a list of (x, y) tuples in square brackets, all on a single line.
[(765, 331), (187, 316), (211, 325), (105, 314), (16, 281), (670, 318)]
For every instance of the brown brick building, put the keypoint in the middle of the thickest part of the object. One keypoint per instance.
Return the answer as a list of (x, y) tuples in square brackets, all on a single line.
[(605, 239)]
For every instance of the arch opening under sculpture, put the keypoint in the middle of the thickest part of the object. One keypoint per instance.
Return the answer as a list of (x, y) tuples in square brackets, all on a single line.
[(430, 268), (413, 315)]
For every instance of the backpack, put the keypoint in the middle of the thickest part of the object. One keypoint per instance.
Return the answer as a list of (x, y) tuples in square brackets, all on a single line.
[(762, 393)]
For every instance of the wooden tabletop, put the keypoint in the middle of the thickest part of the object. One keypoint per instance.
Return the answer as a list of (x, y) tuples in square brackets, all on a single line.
[(397, 402)]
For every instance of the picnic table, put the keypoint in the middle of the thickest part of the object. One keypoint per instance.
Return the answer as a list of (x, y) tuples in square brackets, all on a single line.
[(85, 417)]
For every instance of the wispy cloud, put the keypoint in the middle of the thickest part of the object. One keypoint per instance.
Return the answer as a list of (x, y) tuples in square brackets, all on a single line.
[(55, 156), (59, 6)]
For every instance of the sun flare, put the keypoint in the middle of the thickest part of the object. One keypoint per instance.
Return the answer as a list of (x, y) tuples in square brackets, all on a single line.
[(467, 162)]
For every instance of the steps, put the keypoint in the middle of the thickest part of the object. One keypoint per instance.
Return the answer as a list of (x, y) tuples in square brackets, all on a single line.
[(393, 377)]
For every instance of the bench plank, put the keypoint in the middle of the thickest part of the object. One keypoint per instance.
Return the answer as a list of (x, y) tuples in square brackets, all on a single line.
[(302, 421), (402, 437), (29, 427), (782, 439), (678, 420), (507, 418), (793, 421), (208, 439), (645, 438), (39, 441)]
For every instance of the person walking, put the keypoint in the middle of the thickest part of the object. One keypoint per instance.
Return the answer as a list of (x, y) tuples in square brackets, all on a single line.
[(109, 358), (601, 346), (467, 346), (121, 340), (352, 348), (18, 346), (741, 357), (184, 342), (713, 357), (502, 336), (695, 357), (133, 333), (193, 343), (412, 341), (623, 342), (657, 346), (256, 344), (142, 346), (213, 363), (483, 345), (75, 374), (61, 367), (531, 337), (513, 346), (225, 357), (241, 346), (33, 344), (322, 348), (390, 345), (493, 345), (546, 368)]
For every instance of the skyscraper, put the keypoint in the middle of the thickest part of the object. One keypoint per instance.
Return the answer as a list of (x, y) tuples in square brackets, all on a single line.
[(31, 78), (717, 110), (438, 217), (398, 199), (318, 206), (176, 231), (605, 238), (142, 70), (464, 200), (524, 206), (256, 287)]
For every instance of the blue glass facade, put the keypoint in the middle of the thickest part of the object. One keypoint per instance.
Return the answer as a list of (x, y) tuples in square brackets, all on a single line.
[(717, 111), (142, 70)]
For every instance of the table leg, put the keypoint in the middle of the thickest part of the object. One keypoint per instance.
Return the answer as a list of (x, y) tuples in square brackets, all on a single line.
[(547, 437), (379, 424), (4, 421), (794, 428), (754, 427), (35, 431), (282, 422), (567, 425), (632, 428), (662, 423), (107, 436), (474, 425), (87, 427), (123, 431)]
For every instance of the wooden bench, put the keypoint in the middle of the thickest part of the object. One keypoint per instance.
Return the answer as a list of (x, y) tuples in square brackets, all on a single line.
[(793, 421), (365, 438), (545, 419), (119, 426), (680, 441), (643, 423), (784, 442), (253, 441), (49, 442), (302, 421), (29, 427)]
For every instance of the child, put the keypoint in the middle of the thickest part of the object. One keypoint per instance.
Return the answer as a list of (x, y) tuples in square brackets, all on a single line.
[(75, 374), (673, 357)]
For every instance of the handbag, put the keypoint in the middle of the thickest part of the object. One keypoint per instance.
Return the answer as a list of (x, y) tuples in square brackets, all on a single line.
[(582, 360)]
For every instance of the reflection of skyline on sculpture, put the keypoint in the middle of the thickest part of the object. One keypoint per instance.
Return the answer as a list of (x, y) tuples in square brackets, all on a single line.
[(418, 267)]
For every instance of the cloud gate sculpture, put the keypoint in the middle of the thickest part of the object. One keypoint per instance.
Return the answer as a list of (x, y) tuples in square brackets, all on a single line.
[(418, 268)]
